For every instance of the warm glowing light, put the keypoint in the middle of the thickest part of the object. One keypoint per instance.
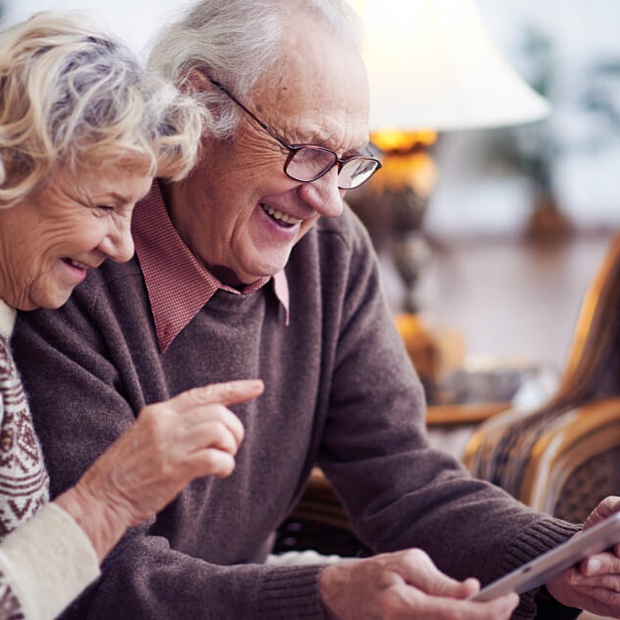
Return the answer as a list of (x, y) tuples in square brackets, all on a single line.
[(406, 161), (416, 170), (389, 140)]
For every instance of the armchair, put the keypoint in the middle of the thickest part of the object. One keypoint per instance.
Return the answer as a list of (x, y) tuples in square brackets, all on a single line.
[(565, 456)]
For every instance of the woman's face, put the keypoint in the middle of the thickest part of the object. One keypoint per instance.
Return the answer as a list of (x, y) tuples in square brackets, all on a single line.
[(50, 241)]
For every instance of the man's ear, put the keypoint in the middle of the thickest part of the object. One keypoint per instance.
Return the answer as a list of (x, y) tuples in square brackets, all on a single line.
[(195, 82)]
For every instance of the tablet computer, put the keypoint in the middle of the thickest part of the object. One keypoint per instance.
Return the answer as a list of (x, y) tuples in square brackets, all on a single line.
[(538, 571)]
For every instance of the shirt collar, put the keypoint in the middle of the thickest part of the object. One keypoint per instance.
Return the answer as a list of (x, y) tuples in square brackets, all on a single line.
[(178, 285)]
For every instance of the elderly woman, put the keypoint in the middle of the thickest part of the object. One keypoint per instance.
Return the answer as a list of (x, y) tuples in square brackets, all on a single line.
[(83, 130)]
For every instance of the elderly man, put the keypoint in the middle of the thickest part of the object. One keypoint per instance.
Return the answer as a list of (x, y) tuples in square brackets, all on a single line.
[(253, 267)]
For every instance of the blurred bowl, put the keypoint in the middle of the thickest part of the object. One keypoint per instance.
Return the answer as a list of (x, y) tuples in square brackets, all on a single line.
[(486, 380)]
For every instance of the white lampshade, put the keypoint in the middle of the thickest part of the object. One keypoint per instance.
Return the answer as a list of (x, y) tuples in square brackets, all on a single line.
[(431, 64)]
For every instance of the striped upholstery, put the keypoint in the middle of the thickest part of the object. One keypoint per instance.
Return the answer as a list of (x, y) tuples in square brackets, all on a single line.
[(521, 451)]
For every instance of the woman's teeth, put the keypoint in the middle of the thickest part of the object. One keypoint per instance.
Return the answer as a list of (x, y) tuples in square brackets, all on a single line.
[(281, 217)]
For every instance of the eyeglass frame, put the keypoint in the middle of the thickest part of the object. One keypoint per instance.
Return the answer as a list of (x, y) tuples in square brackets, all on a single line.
[(293, 149)]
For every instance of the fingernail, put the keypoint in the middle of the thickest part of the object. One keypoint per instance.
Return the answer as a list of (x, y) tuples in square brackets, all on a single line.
[(593, 566)]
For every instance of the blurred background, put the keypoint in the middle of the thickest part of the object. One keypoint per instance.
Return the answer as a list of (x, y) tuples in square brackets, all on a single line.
[(570, 52), (517, 217)]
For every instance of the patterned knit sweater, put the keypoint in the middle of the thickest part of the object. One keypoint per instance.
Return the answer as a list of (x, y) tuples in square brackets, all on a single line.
[(45, 558), (24, 485), (339, 391)]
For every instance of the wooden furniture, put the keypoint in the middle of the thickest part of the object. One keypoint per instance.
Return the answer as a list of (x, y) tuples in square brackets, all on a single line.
[(565, 456)]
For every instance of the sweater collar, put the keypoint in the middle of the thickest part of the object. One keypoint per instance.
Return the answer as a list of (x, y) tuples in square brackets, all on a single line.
[(178, 285)]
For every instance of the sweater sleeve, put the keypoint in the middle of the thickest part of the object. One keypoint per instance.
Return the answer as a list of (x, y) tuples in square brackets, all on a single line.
[(46, 563)]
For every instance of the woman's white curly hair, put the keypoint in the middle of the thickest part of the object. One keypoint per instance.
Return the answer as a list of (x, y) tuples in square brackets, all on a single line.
[(71, 95)]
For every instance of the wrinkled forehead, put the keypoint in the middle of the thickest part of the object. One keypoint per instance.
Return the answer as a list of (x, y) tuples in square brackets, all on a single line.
[(321, 90)]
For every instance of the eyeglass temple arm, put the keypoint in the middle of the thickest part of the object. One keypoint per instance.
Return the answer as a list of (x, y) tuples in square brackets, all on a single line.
[(246, 110)]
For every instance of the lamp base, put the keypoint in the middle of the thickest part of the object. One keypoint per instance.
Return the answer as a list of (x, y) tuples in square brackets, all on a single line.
[(423, 350), (547, 222)]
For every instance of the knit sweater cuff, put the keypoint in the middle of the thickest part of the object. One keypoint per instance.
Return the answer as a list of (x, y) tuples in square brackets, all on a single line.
[(48, 561), (291, 592), (533, 542)]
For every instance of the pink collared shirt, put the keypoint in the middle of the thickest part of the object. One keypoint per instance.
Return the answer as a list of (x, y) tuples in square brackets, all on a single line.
[(178, 284)]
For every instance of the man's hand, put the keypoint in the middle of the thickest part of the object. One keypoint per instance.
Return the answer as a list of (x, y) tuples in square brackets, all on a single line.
[(404, 584), (593, 585)]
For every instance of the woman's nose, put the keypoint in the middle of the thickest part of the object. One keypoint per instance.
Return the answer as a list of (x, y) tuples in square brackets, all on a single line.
[(118, 243)]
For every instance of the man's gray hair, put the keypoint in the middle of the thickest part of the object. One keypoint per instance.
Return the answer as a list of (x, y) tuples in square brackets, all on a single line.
[(237, 41)]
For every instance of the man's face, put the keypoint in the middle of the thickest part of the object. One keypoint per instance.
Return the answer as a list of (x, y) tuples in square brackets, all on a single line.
[(239, 212)]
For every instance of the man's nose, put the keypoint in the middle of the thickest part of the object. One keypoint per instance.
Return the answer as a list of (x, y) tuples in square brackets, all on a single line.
[(323, 194)]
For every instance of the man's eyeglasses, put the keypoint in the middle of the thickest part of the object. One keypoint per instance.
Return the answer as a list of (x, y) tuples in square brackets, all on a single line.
[(309, 162)]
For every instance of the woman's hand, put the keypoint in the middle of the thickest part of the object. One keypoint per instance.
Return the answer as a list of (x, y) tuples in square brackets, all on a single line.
[(170, 444), (594, 584)]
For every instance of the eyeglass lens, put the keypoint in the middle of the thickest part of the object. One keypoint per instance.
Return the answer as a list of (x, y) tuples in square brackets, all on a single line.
[(308, 163), (355, 172)]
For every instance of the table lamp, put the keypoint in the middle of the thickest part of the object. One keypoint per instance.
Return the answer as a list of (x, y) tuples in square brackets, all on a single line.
[(432, 67)]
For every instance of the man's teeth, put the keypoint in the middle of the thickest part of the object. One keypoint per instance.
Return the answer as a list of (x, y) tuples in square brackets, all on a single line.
[(76, 263), (283, 217)]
